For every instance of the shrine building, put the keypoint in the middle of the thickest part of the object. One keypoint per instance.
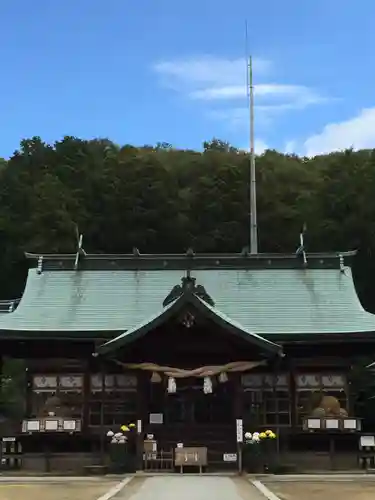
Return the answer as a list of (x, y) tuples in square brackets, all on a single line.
[(184, 346)]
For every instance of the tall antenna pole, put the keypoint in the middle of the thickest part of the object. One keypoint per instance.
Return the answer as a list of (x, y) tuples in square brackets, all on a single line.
[(253, 185)]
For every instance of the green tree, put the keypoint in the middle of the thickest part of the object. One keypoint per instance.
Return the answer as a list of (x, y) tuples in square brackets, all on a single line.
[(161, 199)]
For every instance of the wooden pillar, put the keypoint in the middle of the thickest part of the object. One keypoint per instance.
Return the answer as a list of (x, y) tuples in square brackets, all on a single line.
[(142, 415), (1, 379), (28, 392), (238, 415), (238, 395), (293, 403), (86, 393), (102, 429), (293, 394), (276, 371)]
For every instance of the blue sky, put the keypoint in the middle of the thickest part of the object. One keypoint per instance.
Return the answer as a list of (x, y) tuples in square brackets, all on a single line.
[(171, 70)]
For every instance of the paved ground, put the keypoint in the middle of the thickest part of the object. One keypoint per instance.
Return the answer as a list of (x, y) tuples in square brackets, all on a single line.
[(189, 487), (55, 490), (344, 489)]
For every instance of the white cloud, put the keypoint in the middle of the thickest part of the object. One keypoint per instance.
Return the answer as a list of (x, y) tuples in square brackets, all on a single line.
[(222, 80), (209, 70), (296, 92), (356, 133)]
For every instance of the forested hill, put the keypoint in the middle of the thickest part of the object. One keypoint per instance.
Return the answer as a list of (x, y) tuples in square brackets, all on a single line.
[(160, 199)]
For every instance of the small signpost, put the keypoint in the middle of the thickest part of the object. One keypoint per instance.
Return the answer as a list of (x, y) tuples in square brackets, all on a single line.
[(239, 436), (367, 452)]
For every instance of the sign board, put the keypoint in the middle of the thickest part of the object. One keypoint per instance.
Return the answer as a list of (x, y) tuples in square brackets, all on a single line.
[(156, 418), (367, 441), (69, 425), (239, 430), (150, 445), (51, 424), (230, 457), (190, 456), (350, 424)]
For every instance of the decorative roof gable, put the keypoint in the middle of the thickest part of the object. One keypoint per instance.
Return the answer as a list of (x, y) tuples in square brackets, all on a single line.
[(174, 308), (188, 286)]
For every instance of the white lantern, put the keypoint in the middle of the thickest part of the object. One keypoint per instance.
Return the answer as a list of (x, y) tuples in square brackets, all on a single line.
[(207, 385), (171, 385), (110, 434)]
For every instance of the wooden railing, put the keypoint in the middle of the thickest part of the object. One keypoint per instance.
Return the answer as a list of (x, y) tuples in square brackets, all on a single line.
[(160, 461)]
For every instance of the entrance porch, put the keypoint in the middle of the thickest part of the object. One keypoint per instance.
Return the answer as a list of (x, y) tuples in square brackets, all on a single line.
[(195, 419), (190, 359)]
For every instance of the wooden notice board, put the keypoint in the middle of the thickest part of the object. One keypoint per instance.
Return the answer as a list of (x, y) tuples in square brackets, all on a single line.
[(193, 456)]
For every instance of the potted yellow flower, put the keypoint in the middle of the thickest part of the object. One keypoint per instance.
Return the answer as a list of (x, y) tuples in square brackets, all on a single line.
[(258, 451), (251, 453), (268, 440), (122, 449)]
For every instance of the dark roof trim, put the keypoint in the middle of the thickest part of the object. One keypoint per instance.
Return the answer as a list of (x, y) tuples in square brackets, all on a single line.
[(173, 308), (315, 338), (192, 262), (68, 335), (8, 306), (309, 339)]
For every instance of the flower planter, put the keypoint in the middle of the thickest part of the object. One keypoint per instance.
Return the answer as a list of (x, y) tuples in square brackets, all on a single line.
[(121, 460), (122, 449), (259, 452), (252, 459), (269, 455)]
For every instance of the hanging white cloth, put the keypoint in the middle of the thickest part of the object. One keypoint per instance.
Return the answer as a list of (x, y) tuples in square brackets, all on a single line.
[(171, 385), (207, 385)]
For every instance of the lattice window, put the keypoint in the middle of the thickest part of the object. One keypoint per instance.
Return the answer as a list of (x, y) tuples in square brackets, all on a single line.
[(266, 400), (57, 394), (45, 383), (67, 382), (118, 401), (113, 382), (118, 408), (64, 404), (310, 387)]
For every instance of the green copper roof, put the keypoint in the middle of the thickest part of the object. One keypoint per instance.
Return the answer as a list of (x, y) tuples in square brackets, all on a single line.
[(263, 300), (173, 308)]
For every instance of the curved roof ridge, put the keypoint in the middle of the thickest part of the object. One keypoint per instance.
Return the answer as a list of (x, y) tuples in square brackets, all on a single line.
[(58, 262), (132, 255)]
